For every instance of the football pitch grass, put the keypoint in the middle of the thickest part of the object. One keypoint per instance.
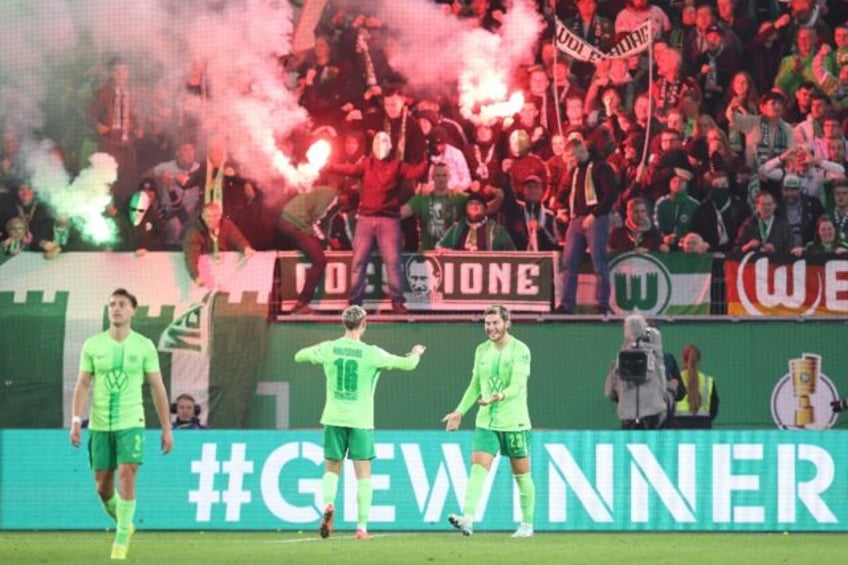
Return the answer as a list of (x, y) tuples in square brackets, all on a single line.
[(208, 548)]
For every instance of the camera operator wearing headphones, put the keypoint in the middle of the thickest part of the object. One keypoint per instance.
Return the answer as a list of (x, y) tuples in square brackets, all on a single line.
[(188, 413), (636, 380)]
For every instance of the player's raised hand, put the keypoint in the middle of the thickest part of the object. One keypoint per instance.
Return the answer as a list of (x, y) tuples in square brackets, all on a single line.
[(452, 421), (418, 350)]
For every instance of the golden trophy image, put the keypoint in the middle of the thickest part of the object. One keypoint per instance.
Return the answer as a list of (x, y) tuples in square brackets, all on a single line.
[(805, 376)]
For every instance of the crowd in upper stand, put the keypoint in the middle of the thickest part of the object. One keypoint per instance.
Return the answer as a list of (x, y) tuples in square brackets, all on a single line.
[(736, 144)]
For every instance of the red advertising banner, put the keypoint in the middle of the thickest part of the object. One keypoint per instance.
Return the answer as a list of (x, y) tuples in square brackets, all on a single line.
[(763, 285)]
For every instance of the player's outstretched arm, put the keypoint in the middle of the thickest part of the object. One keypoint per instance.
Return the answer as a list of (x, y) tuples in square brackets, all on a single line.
[(78, 406), (417, 350)]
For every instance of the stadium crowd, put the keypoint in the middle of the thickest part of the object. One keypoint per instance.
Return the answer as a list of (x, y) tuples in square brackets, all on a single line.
[(735, 142)]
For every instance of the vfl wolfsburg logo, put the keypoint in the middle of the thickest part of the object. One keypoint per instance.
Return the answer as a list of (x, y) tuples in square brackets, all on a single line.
[(639, 282), (116, 380)]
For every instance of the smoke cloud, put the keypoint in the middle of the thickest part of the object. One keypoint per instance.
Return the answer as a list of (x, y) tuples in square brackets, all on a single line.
[(55, 56)]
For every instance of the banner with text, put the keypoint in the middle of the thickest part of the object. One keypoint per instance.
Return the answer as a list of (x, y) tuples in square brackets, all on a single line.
[(605, 480), (762, 285), (431, 281), (631, 43)]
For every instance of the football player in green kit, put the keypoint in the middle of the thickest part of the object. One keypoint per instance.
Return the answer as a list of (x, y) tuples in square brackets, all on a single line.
[(499, 387), (114, 365), (352, 368)]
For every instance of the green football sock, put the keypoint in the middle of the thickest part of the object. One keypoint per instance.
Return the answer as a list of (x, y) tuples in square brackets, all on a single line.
[(110, 506), (474, 491), (364, 496), (526, 496), (329, 486), (125, 509)]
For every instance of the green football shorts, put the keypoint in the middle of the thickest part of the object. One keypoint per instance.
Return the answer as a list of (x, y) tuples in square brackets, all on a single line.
[(356, 443), (512, 444), (107, 450)]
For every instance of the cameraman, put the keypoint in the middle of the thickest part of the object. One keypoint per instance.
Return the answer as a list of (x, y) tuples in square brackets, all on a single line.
[(636, 380), (188, 413)]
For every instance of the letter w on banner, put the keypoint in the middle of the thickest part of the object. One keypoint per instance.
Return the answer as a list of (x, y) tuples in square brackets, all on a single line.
[(576, 47)]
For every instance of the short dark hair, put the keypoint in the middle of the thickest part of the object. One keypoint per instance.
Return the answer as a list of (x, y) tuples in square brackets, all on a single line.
[(186, 396), (819, 95), (126, 294)]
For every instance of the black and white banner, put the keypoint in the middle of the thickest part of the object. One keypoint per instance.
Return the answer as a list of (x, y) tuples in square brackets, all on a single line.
[(576, 47)]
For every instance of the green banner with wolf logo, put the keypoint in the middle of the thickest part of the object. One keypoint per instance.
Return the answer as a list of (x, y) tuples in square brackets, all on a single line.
[(654, 284)]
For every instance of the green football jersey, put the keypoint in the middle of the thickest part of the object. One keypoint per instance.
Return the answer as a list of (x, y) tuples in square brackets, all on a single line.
[(352, 369), (500, 370), (118, 372)]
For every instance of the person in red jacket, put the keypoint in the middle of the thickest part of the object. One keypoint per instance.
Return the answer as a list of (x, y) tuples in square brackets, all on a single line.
[(381, 198)]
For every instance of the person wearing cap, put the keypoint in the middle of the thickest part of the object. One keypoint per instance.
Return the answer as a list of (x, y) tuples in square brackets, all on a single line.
[(536, 229), (674, 212), (764, 232), (476, 232), (799, 210), (766, 135), (715, 66)]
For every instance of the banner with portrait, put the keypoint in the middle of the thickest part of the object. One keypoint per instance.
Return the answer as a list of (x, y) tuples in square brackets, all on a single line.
[(447, 282)]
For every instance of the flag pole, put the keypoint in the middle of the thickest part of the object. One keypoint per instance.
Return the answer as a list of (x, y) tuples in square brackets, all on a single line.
[(555, 96), (650, 93)]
